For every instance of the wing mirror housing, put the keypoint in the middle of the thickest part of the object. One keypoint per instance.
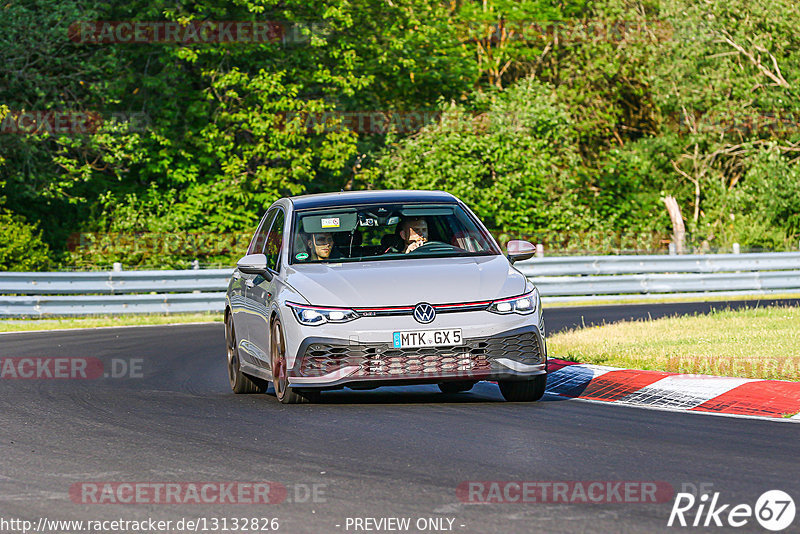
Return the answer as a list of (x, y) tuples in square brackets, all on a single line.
[(254, 264), (519, 250)]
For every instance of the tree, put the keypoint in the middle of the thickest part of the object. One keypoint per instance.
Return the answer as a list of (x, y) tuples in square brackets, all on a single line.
[(512, 163)]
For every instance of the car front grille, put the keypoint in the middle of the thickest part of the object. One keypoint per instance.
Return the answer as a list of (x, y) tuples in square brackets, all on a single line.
[(382, 360)]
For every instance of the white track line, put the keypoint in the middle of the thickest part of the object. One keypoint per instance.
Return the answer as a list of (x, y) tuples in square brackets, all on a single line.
[(794, 419)]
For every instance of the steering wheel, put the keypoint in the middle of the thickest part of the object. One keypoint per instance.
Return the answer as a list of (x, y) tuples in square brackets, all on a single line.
[(431, 244)]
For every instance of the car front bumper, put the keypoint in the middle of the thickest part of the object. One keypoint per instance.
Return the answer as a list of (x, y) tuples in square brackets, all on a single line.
[(323, 362)]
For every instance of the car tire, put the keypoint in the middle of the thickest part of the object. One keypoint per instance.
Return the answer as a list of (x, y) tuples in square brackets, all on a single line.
[(280, 373), (240, 382), (456, 386), (523, 390)]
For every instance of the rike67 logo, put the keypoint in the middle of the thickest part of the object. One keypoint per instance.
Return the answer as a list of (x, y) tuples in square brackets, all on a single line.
[(774, 510)]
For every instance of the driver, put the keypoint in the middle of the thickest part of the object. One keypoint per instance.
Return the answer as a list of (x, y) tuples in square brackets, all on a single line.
[(414, 233), (320, 246)]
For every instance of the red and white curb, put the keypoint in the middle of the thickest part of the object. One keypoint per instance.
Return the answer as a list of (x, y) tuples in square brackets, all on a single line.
[(673, 391)]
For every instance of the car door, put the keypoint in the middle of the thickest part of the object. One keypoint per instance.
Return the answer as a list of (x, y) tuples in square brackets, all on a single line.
[(263, 290), (245, 317)]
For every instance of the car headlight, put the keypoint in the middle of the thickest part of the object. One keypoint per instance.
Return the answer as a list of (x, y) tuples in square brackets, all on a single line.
[(315, 315), (522, 305)]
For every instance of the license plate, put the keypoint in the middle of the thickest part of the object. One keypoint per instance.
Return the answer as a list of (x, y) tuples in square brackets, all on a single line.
[(427, 338)]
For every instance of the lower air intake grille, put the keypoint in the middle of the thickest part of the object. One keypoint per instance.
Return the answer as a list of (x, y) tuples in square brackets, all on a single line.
[(383, 360)]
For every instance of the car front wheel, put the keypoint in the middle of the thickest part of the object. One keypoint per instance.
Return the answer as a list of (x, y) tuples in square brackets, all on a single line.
[(280, 372), (523, 390)]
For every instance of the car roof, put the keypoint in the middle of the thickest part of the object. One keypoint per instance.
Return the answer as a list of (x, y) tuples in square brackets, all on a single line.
[(348, 198)]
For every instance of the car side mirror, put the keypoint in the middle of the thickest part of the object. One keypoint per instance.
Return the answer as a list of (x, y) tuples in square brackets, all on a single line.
[(254, 264), (519, 250)]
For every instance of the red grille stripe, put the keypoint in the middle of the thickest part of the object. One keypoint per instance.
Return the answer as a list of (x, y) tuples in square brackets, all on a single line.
[(435, 306), (399, 308), (464, 305)]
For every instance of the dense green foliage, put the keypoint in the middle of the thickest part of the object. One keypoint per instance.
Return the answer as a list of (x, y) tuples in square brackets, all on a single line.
[(567, 122), (21, 246), (514, 164)]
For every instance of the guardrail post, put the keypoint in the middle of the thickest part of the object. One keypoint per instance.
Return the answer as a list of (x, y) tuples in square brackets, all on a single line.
[(736, 248), (196, 265), (672, 249), (117, 267), (540, 250)]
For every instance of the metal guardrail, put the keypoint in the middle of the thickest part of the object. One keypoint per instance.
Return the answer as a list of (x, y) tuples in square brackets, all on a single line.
[(114, 282), (112, 293), (624, 277), (558, 278), (690, 263), (64, 306)]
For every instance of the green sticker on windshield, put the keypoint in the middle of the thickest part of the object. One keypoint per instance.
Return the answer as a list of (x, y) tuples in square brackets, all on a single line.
[(301, 256)]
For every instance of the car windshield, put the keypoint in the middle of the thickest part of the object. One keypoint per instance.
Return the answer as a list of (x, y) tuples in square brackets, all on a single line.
[(387, 232)]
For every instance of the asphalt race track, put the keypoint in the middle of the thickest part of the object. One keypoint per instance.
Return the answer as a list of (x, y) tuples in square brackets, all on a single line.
[(391, 452)]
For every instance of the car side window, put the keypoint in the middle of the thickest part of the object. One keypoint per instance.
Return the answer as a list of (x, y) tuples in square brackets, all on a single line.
[(260, 238), (275, 242)]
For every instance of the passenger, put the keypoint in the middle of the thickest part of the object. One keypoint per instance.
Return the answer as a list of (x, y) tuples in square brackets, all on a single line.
[(320, 246)]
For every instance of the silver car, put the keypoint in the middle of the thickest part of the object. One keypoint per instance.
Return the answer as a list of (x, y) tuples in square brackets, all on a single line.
[(373, 288)]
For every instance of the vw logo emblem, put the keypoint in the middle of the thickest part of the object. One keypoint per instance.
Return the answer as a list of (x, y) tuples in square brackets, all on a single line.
[(424, 313)]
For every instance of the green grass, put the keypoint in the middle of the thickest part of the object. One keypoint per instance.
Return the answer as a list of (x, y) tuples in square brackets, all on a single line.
[(23, 325), (752, 343)]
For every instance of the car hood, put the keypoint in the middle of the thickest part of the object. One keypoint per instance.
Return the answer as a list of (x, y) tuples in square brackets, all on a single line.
[(407, 282)]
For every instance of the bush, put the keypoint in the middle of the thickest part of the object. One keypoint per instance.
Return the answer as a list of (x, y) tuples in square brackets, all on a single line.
[(513, 164), (21, 245)]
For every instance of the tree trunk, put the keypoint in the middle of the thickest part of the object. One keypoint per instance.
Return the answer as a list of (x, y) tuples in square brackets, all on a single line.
[(678, 228)]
